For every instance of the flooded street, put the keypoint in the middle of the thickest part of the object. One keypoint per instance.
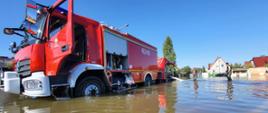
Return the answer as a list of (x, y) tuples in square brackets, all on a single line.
[(202, 96)]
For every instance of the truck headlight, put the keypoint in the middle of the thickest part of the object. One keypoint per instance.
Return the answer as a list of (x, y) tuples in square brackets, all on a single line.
[(32, 85)]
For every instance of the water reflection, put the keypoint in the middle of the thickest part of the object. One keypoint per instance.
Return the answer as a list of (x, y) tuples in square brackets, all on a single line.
[(230, 90), (196, 88), (188, 96), (146, 100), (261, 91)]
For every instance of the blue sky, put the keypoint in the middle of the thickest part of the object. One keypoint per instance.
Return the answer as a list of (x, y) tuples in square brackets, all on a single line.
[(201, 30)]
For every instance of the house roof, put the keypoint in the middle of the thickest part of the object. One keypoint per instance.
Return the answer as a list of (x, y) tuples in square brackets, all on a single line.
[(260, 61)]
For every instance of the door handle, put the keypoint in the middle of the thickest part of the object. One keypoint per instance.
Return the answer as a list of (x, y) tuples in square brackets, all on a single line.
[(64, 48)]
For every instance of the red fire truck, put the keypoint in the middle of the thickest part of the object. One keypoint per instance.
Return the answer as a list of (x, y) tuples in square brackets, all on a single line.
[(66, 54)]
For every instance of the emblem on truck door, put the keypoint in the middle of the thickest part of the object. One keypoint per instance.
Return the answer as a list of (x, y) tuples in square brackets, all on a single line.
[(145, 52)]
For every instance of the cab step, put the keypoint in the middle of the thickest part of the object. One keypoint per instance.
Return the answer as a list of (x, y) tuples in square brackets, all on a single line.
[(61, 92)]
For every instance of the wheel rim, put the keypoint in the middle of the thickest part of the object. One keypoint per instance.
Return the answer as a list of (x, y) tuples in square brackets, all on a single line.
[(92, 90)]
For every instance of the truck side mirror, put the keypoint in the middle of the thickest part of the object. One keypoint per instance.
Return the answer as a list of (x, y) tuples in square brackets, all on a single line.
[(9, 31)]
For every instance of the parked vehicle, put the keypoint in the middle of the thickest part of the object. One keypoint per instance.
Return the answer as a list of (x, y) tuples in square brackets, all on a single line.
[(64, 54)]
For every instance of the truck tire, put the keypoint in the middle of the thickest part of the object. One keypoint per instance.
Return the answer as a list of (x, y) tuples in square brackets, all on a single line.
[(90, 86), (148, 81)]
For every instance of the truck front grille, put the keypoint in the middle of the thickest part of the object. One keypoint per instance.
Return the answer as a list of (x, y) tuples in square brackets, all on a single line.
[(23, 68)]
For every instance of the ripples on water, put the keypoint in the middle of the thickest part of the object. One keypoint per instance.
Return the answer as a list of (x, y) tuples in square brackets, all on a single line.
[(213, 96)]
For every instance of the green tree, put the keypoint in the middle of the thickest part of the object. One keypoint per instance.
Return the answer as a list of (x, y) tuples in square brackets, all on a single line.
[(168, 50), (198, 70), (203, 69), (237, 65), (249, 65), (176, 71), (170, 55), (186, 71), (266, 65)]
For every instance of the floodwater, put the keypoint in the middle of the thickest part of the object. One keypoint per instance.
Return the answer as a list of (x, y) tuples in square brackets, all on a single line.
[(201, 96)]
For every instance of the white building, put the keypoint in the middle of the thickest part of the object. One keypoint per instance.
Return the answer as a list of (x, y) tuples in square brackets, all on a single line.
[(240, 73), (218, 67)]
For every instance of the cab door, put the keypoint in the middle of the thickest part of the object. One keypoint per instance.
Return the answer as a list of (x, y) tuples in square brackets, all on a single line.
[(60, 42)]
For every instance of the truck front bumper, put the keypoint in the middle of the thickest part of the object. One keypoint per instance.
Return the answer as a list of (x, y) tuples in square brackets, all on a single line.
[(36, 85)]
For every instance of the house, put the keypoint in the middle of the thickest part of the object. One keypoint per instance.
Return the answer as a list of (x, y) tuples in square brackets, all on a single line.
[(239, 73), (260, 73), (218, 67), (258, 68), (256, 62)]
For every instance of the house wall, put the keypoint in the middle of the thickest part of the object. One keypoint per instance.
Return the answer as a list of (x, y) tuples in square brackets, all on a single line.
[(240, 75), (258, 73)]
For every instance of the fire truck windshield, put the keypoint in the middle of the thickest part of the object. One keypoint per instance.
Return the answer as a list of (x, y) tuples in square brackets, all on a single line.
[(34, 30), (33, 25)]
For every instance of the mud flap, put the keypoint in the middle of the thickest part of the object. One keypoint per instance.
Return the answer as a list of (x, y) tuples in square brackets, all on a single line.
[(61, 92)]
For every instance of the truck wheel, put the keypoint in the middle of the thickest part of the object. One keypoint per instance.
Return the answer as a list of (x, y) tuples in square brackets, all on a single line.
[(148, 81), (90, 86)]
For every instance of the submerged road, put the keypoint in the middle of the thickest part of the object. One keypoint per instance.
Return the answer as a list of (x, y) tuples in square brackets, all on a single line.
[(201, 96)]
